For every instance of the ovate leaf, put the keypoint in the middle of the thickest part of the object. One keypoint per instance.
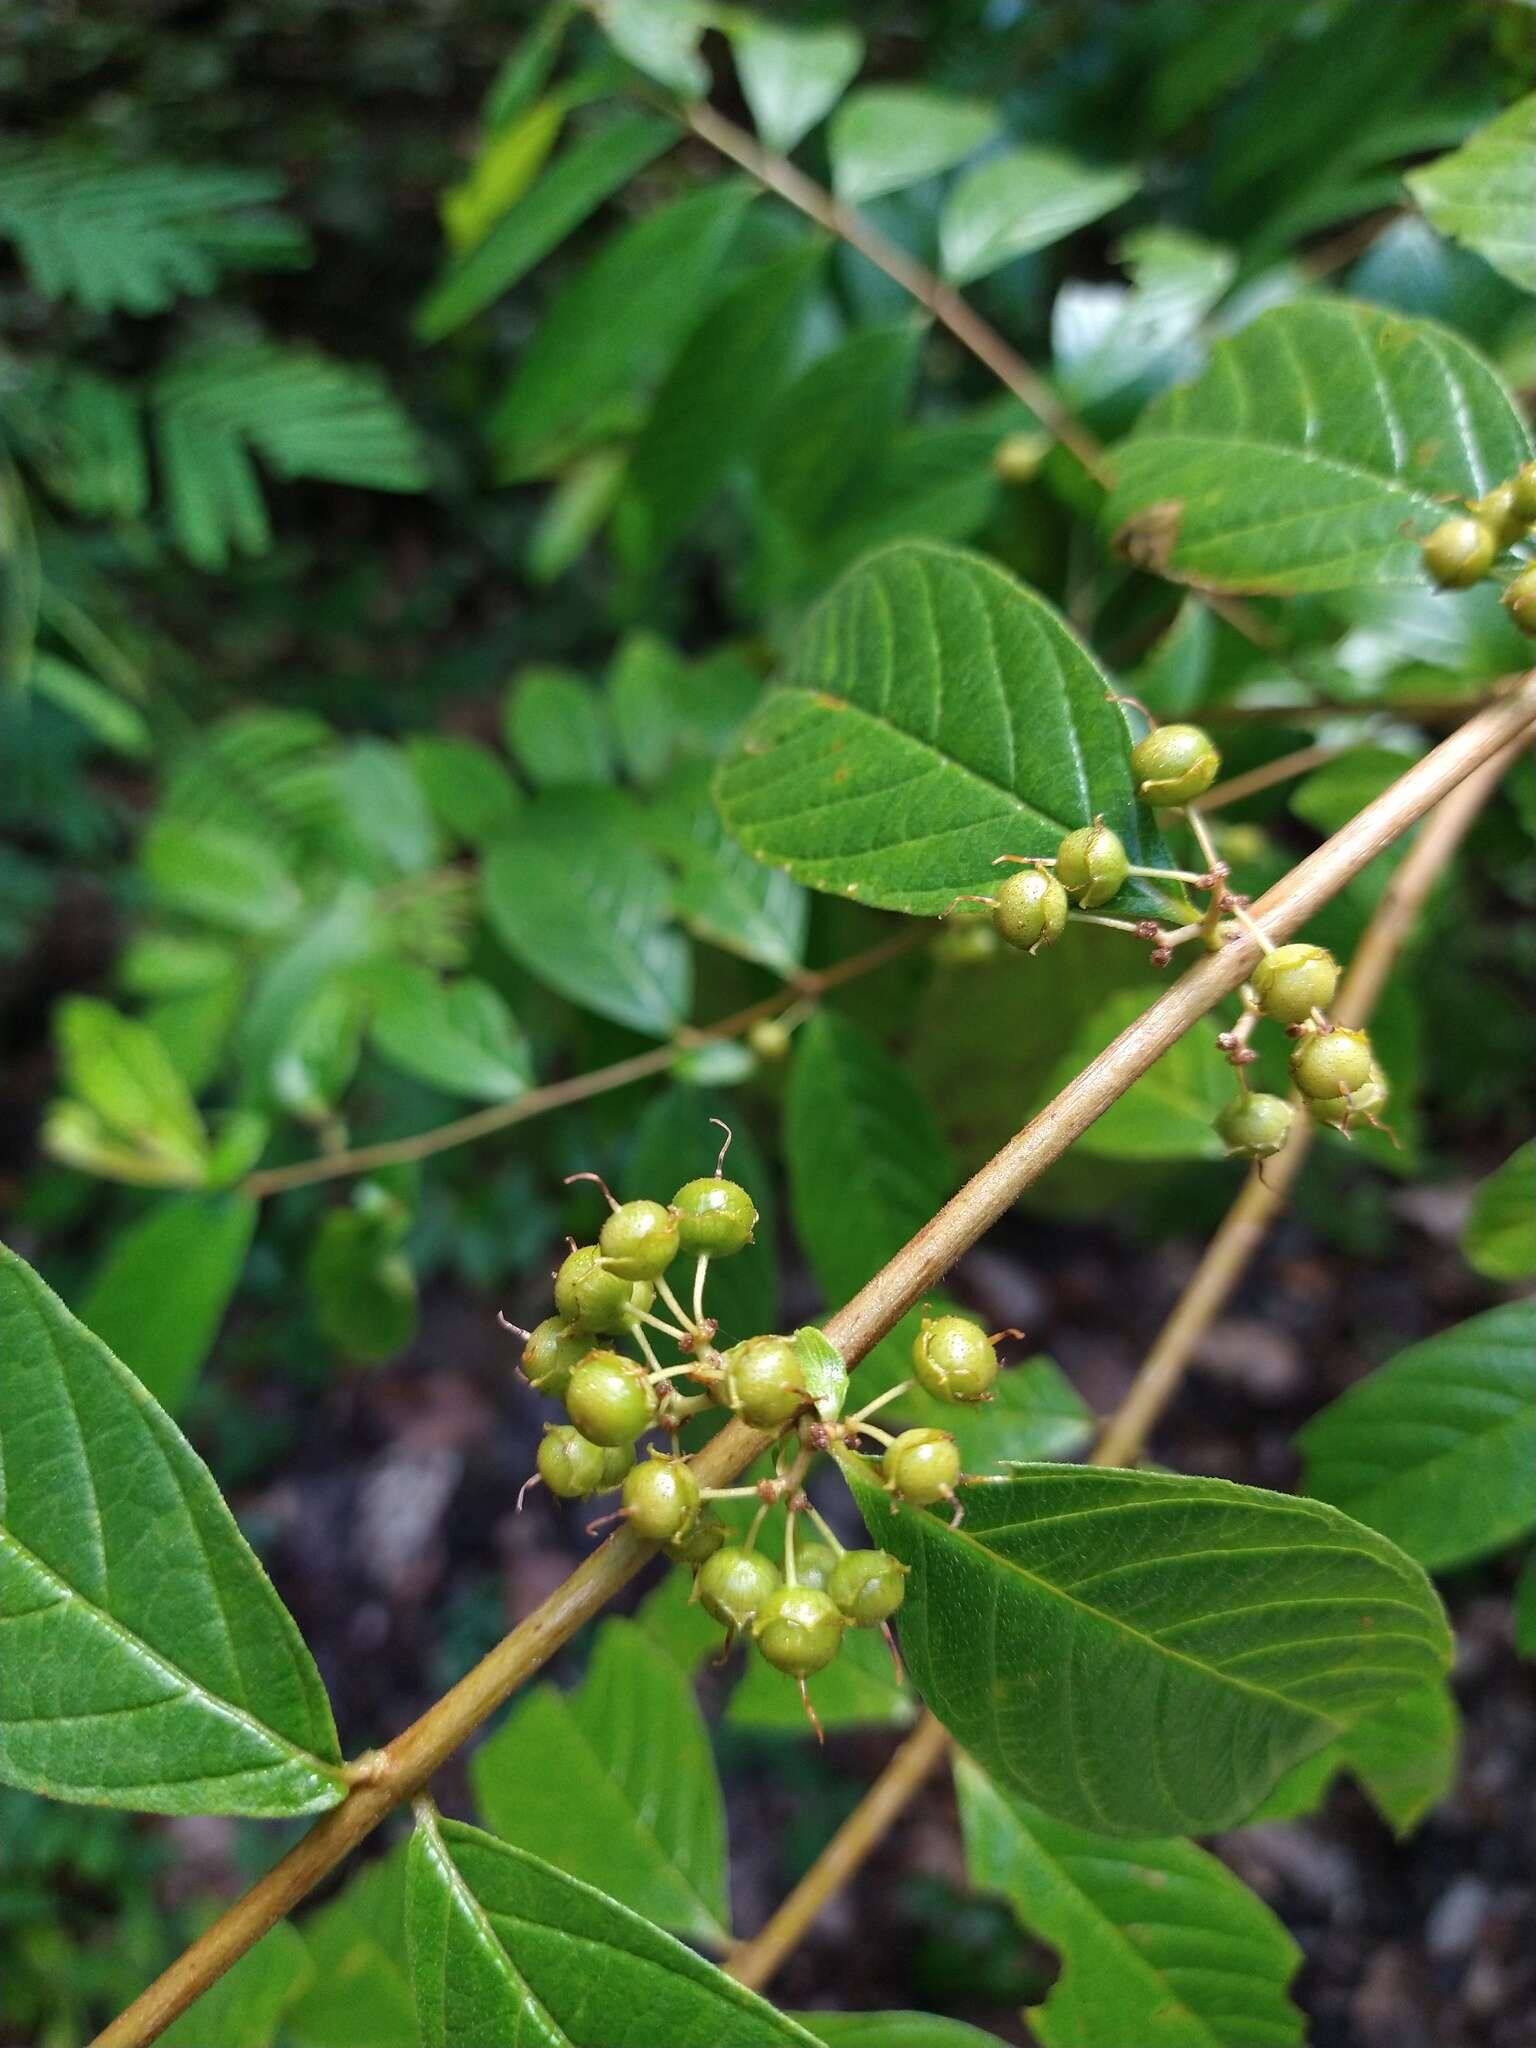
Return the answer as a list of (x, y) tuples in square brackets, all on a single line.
[(1437, 1449), (1499, 1237), (1235, 1631), (1484, 194), (663, 42), (886, 137), (1317, 449), (557, 728), (1025, 199), (505, 1948), (148, 1663), (615, 1784), (458, 1035), (1159, 1943), (933, 715), (791, 77), (158, 1297), (468, 788)]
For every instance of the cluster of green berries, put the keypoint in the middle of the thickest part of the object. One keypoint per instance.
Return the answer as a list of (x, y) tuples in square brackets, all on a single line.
[(1334, 1070), (1462, 550)]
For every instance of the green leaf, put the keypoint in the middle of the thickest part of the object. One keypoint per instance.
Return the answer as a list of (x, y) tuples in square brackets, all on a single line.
[(1331, 795), (1170, 1112), (247, 2004), (1317, 449), (556, 727), (862, 774), (1437, 1448), (1175, 678), (360, 1992), (510, 158), (1022, 200), (886, 137), (159, 1295), (504, 1948), (893, 2030), (612, 328), (714, 399), (97, 463), (457, 1035), (471, 794), (109, 721), (615, 1783), (222, 877), (791, 77), (571, 516), (1484, 194), (314, 1065), (1499, 1236), (831, 426), (385, 811), (122, 1075), (663, 42), (1159, 1943), (584, 908), (582, 177), (823, 1371), (148, 1662), (724, 896), (363, 1286), (303, 414), (1403, 1754), (1236, 1631)]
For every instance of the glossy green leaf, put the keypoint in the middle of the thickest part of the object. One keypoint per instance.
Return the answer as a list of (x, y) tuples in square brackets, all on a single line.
[(1499, 1236), (1170, 1112), (148, 1662), (1159, 1943), (584, 908), (886, 137), (556, 727), (471, 794), (615, 1784), (714, 399), (868, 773), (1484, 194), (582, 177), (159, 1295), (1024, 199), (1403, 1754), (121, 1075), (893, 2030), (1437, 1448), (613, 327), (246, 2006), (724, 896), (1317, 449), (506, 1949), (1236, 1631), (363, 1286), (361, 1991), (791, 77), (458, 1035)]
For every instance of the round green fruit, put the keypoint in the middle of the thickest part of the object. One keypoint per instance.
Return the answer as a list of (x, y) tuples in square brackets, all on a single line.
[(697, 1545), (1031, 909), (1255, 1126), (1498, 510), (1367, 1101), (815, 1564), (639, 1241), (1292, 981), (922, 1466), (734, 1583), (1460, 552), (868, 1586), (1174, 765), (763, 1383), (610, 1399), (954, 1358), (551, 1355), (569, 1465), (588, 1294), (661, 1498), (1092, 864), (1330, 1063), (715, 1217), (798, 1630), (1519, 600)]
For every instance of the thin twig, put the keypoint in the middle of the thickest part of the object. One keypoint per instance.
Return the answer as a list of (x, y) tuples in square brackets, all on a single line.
[(405, 1766), (1285, 769)]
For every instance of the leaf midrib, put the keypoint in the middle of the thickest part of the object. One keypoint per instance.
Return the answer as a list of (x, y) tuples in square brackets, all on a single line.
[(1228, 444)]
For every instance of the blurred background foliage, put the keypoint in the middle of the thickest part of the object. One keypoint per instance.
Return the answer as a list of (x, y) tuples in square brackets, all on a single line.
[(389, 550)]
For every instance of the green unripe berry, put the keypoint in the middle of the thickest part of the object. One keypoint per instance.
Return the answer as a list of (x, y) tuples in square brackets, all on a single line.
[(715, 1217), (1255, 1126), (697, 1545), (1294, 980), (1460, 552), (954, 1358), (734, 1583), (770, 1039), (1498, 511), (868, 1586), (1031, 909), (661, 1498), (763, 1383), (551, 1354), (588, 1294), (1519, 600), (1523, 484), (1174, 765), (610, 1398), (639, 1241), (1329, 1063), (1369, 1100), (617, 1460), (815, 1564), (922, 1466), (569, 1465), (966, 941), (1017, 458), (798, 1630), (1092, 864)]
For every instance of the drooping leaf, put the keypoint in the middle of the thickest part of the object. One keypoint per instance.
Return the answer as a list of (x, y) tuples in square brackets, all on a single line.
[(1236, 1631), (1484, 194), (893, 2030), (1403, 1754), (148, 1662), (556, 727), (582, 177), (1437, 1448), (1159, 1943), (1025, 199), (458, 1035), (791, 77), (1317, 449), (356, 1943), (472, 795), (934, 714), (1499, 1237), (615, 1784), (505, 1948), (158, 1297), (248, 2003), (886, 137), (584, 908)]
